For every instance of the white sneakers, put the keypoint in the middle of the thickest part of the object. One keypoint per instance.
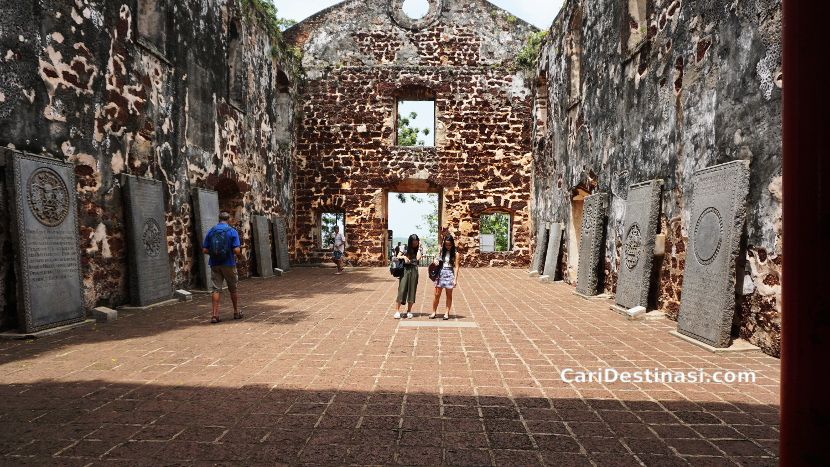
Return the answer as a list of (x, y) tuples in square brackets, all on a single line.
[(398, 315), (409, 316)]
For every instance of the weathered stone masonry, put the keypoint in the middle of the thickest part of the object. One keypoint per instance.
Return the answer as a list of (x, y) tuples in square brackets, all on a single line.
[(636, 90), (359, 58), (192, 93)]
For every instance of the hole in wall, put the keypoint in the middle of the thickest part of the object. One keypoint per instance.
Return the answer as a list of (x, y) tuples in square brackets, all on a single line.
[(416, 9)]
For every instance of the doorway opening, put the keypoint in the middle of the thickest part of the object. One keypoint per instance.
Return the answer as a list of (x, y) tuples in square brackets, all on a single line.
[(413, 207), (574, 232)]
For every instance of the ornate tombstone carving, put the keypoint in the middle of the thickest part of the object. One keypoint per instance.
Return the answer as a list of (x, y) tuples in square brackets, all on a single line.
[(552, 253), (149, 262), (592, 235), (206, 212), (537, 265), (642, 213), (45, 224), (718, 210), (281, 243), (262, 247)]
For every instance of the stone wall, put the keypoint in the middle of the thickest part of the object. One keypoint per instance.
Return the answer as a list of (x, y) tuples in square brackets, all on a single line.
[(360, 57), (635, 90), (194, 93)]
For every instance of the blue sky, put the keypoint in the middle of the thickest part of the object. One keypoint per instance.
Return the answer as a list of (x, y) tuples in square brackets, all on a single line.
[(539, 13)]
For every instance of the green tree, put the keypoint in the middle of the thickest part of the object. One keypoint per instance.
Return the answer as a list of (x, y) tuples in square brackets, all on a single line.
[(430, 225), (497, 224), (407, 134), (328, 221)]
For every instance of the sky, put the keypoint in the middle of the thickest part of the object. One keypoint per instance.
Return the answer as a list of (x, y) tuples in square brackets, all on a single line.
[(404, 218), (539, 13)]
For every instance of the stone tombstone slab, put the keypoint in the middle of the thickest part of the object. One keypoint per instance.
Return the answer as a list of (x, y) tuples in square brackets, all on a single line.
[(591, 243), (45, 230), (642, 211), (262, 247), (552, 253), (281, 243), (206, 213), (541, 245), (718, 211), (149, 262)]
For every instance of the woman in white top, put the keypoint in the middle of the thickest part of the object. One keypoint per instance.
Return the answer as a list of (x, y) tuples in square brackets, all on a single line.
[(450, 261)]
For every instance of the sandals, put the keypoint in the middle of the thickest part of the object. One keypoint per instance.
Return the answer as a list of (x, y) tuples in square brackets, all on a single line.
[(238, 315), (214, 319), (446, 316)]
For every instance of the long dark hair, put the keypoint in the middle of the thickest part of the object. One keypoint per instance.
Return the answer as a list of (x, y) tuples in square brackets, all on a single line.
[(452, 250), (411, 251)]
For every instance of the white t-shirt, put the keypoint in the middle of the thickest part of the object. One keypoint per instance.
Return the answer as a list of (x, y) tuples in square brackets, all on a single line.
[(339, 243)]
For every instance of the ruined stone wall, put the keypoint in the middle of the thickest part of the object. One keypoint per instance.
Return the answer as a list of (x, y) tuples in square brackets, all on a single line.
[(194, 93), (636, 90), (359, 57)]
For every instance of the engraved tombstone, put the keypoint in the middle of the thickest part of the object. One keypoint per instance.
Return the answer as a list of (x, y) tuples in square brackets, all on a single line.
[(592, 234), (552, 252), (642, 211), (206, 213), (262, 247), (281, 243), (718, 210), (45, 220), (149, 262), (537, 265)]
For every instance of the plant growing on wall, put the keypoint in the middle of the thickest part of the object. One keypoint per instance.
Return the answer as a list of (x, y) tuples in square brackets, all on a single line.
[(527, 57)]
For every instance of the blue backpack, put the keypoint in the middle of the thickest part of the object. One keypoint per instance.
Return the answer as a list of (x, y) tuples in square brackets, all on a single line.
[(218, 244)]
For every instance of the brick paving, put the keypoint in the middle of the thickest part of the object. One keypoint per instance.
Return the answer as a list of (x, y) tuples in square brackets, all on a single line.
[(319, 373)]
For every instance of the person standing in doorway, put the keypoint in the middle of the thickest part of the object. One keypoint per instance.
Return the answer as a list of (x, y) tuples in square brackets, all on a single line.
[(408, 285), (338, 248), (450, 263), (222, 244), (397, 250)]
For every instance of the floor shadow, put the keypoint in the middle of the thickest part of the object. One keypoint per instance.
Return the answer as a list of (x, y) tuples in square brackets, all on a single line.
[(78, 423)]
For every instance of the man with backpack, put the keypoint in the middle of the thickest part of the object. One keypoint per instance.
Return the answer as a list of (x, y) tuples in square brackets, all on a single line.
[(222, 244)]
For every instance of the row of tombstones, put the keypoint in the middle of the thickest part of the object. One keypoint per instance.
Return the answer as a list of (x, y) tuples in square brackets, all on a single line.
[(45, 239), (718, 211)]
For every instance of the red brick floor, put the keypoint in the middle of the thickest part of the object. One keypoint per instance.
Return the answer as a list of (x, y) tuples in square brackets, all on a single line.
[(319, 373)]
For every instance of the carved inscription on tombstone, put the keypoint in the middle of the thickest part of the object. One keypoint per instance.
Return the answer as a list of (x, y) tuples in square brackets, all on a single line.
[(206, 212), (262, 247), (592, 234), (642, 211), (149, 263), (45, 214), (552, 254), (281, 243), (541, 246), (716, 224)]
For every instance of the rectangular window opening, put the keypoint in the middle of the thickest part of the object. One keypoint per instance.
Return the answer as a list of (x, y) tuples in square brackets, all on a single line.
[(328, 221), (415, 123), (495, 233)]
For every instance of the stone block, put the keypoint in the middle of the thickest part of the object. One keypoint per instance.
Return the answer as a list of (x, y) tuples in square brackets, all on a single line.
[(44, 225), (718, 211), (537, 266), (552, 251), (103, 314), (281, 243), (642, 211), (591, 246), (149, 262), (206, 213), (262, 247), (183, 295)]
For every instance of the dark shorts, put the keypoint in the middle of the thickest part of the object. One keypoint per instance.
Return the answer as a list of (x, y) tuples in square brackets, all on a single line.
[(221, 274), (337, 254)]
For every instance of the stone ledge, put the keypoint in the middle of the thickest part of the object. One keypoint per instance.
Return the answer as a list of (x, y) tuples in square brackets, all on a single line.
[(103, 314), (602, 296), (148, 307), (45, 332), (738, 345)]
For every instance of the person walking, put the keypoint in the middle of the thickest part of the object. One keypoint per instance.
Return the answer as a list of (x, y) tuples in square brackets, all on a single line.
[(338, 248), (408, 285), (450, 264), (222, 245), (397, 250)]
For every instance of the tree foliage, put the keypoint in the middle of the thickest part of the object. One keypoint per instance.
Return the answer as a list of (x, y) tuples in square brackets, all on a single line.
[(328, 221), (528, 56), (430, 225), (407, 134), (497, 224)]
